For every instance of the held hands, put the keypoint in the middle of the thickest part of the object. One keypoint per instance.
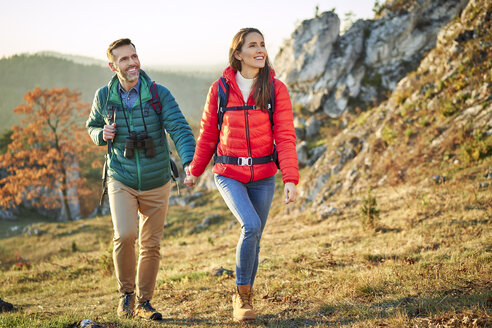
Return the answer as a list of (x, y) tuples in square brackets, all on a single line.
[(290, 192), (109, 132), (290, 189), (190, 179)]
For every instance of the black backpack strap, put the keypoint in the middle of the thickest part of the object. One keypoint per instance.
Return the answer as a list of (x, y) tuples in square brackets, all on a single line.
[(271, 109), (226, 109), (223, 95), (244, 161), (271, 104)]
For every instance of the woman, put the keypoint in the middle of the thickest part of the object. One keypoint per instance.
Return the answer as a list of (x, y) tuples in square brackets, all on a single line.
[(243, 138)]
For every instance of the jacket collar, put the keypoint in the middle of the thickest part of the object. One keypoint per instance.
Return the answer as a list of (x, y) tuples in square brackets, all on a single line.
[(145, 81), (230, 74)]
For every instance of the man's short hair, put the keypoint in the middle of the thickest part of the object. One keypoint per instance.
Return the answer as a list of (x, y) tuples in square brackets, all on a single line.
[(116, 44)]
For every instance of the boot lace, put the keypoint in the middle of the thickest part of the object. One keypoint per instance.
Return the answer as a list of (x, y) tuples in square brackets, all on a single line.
[(126, 300), (148, 307), (244, 299)]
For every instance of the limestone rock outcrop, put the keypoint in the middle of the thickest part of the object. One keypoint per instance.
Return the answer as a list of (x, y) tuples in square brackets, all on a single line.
[(331, 73)]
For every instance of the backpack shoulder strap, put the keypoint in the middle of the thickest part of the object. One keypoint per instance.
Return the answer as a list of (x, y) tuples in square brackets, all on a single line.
[(271, 104), (223, 97), (156, 104)]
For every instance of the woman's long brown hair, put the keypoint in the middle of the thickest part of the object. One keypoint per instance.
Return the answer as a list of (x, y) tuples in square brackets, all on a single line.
[(262, 85)]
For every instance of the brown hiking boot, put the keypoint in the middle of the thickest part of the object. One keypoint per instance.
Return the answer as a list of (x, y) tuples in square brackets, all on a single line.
[(146, 311), (127, 303), (242, 304)]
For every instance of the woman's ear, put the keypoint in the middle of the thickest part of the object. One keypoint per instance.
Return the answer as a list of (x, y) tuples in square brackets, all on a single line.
[(237, 55)]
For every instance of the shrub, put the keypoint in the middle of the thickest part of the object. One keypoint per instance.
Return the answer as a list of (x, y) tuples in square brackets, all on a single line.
[(106, 260), (474, 149), (447, 108), (407, 109), (408, 132), (424, 121), (369, 214), (378, 146), (388, 135), (378, 7)]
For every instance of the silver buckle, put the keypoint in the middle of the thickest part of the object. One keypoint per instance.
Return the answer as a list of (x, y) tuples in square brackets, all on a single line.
[(244, 161)]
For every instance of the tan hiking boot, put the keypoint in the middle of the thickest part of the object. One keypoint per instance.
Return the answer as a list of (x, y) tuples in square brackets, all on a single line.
[(127, 303), (146, 311), (242, 304)]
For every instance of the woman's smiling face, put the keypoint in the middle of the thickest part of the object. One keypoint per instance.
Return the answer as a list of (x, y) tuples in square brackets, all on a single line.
[(252, 55)]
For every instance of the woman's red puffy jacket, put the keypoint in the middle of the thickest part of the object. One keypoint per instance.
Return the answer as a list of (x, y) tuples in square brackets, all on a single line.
[(247, 133)]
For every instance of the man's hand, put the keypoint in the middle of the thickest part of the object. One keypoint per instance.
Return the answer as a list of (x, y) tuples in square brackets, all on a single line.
[(290, 192), (190, 180), (109, 131)]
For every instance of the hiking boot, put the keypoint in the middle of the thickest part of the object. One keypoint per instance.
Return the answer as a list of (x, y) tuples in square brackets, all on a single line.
[(242, 304), (127, 303), (146, 311)]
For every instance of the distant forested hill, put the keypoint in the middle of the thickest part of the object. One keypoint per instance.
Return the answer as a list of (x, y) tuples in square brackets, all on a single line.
[(20, 73)]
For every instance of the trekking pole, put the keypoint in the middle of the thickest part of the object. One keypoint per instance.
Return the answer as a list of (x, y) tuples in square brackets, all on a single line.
[(104, 186), (105, 175)]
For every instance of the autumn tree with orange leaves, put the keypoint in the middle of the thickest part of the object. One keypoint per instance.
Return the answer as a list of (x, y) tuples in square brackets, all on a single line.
[(45, 151)]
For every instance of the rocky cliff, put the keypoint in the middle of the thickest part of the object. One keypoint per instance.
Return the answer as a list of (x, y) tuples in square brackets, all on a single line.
[(437, 119), (331, 73)]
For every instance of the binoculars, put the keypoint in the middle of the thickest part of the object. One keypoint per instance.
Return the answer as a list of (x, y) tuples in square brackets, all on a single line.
[(139, 141)]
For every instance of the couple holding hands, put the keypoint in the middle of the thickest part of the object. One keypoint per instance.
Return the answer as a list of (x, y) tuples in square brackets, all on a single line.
[(247, 127)]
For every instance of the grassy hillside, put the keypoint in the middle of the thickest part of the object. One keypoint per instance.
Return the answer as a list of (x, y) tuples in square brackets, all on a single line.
[(24, 72), (399, 236), (426, 263)]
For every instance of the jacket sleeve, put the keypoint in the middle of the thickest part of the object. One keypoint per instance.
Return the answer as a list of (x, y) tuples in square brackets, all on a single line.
[(284, 134), (96, 122), (177, 126), (209, 134)]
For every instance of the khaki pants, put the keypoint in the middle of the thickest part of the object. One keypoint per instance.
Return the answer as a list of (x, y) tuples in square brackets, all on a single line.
[(126, 205)]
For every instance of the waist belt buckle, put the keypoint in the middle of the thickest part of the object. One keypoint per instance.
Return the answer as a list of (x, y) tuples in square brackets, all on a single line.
[(244, 161)]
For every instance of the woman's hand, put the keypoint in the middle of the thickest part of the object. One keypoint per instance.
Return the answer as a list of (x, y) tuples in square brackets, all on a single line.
[(290, 192), (190, 180)]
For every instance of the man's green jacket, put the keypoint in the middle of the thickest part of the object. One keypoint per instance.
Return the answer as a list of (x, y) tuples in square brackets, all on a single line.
[(140, 172)]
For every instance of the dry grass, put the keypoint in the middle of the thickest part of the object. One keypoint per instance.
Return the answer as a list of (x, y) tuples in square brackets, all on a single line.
[(427, 261)]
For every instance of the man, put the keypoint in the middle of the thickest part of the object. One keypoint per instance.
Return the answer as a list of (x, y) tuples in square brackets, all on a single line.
[(126, 116)]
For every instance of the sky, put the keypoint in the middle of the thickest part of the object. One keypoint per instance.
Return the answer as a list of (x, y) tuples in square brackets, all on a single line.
[(166, 33)]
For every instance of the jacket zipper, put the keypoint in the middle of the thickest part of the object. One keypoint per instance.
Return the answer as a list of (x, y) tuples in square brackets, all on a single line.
[(248, 141), (137, 158)]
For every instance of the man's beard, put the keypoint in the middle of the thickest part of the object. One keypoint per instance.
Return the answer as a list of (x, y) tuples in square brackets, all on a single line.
[(129, 77)]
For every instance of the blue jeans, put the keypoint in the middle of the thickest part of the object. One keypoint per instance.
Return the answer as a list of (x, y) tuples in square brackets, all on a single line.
[(250, 204)]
